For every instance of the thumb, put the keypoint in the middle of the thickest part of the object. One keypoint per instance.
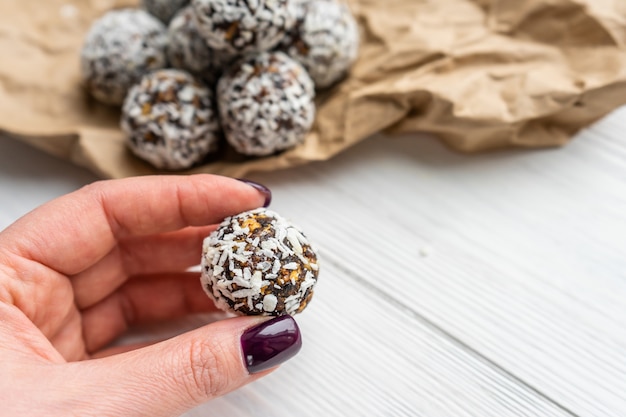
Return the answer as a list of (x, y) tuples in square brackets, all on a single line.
[(171, 377)]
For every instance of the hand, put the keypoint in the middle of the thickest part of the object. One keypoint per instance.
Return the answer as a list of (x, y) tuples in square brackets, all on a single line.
[(78, 271)]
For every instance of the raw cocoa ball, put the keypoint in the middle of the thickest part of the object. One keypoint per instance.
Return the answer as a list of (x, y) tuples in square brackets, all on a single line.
[(259, 263), (325, 40), (187, 49), (119, 49), (243, 26), (170, 120), (164, 10), (266, 104)]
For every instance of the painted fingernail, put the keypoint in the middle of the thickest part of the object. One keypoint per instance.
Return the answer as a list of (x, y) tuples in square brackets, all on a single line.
[(271, 343), (260, 188)]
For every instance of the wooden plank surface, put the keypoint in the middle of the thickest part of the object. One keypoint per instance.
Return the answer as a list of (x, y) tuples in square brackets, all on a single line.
[(517, 255), (452, 285), (366, 355)]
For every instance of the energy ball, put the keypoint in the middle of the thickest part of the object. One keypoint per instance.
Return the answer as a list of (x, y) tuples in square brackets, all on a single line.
[(187, 49), (243, 26), (266, 104), (119, 49), (164, 10), (258, 263), (325, 40), (170, 120)]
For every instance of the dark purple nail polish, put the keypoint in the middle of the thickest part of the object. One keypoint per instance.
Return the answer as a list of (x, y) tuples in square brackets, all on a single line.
[(260, 188), (271, 343)]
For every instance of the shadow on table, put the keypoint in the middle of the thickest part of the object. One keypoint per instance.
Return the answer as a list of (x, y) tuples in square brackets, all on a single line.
[(19, 161), (397, 154)]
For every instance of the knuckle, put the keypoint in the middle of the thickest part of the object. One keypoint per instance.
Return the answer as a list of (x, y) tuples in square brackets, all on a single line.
[(93, 188), (206, 370)]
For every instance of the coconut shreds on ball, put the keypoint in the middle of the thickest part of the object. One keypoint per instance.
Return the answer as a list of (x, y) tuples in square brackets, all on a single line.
[(244, 26), (266, 104), (187, 49), (119, 49), (258, 263), (325, 40), (164, 10), (170, 120)]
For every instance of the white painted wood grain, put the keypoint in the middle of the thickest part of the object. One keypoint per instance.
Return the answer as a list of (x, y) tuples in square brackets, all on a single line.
[(525, 262), (364, 355)]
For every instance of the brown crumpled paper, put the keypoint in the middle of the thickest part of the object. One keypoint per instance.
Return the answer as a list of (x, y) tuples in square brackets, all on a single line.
[(480, 74)]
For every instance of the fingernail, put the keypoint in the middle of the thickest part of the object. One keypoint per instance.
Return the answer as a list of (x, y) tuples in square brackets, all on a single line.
[(260, 188), (271, 343)]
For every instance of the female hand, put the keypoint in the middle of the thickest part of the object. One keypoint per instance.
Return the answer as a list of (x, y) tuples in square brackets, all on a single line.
[(78, 271)]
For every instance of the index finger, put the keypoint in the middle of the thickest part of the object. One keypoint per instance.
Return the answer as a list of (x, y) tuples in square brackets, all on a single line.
[(75, 231)]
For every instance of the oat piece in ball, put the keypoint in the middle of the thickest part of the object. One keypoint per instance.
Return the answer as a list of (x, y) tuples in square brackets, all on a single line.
[(266, 104), (244, 26), (258, 263), (170, 120), (187, 49), (119, 49), (164, 10), (325, 40)]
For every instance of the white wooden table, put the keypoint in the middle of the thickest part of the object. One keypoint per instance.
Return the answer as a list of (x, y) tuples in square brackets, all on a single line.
[(452, 285)]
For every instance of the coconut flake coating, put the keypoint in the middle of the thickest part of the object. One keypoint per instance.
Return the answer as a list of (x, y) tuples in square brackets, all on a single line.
[(258, 263), (325, 40), (170, 120), (266, 104), (244, 26), (187, 49), (164, 10), (119, 49)]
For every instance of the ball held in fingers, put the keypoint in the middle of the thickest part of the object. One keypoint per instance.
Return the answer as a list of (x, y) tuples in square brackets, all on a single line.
[(259, 263)]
